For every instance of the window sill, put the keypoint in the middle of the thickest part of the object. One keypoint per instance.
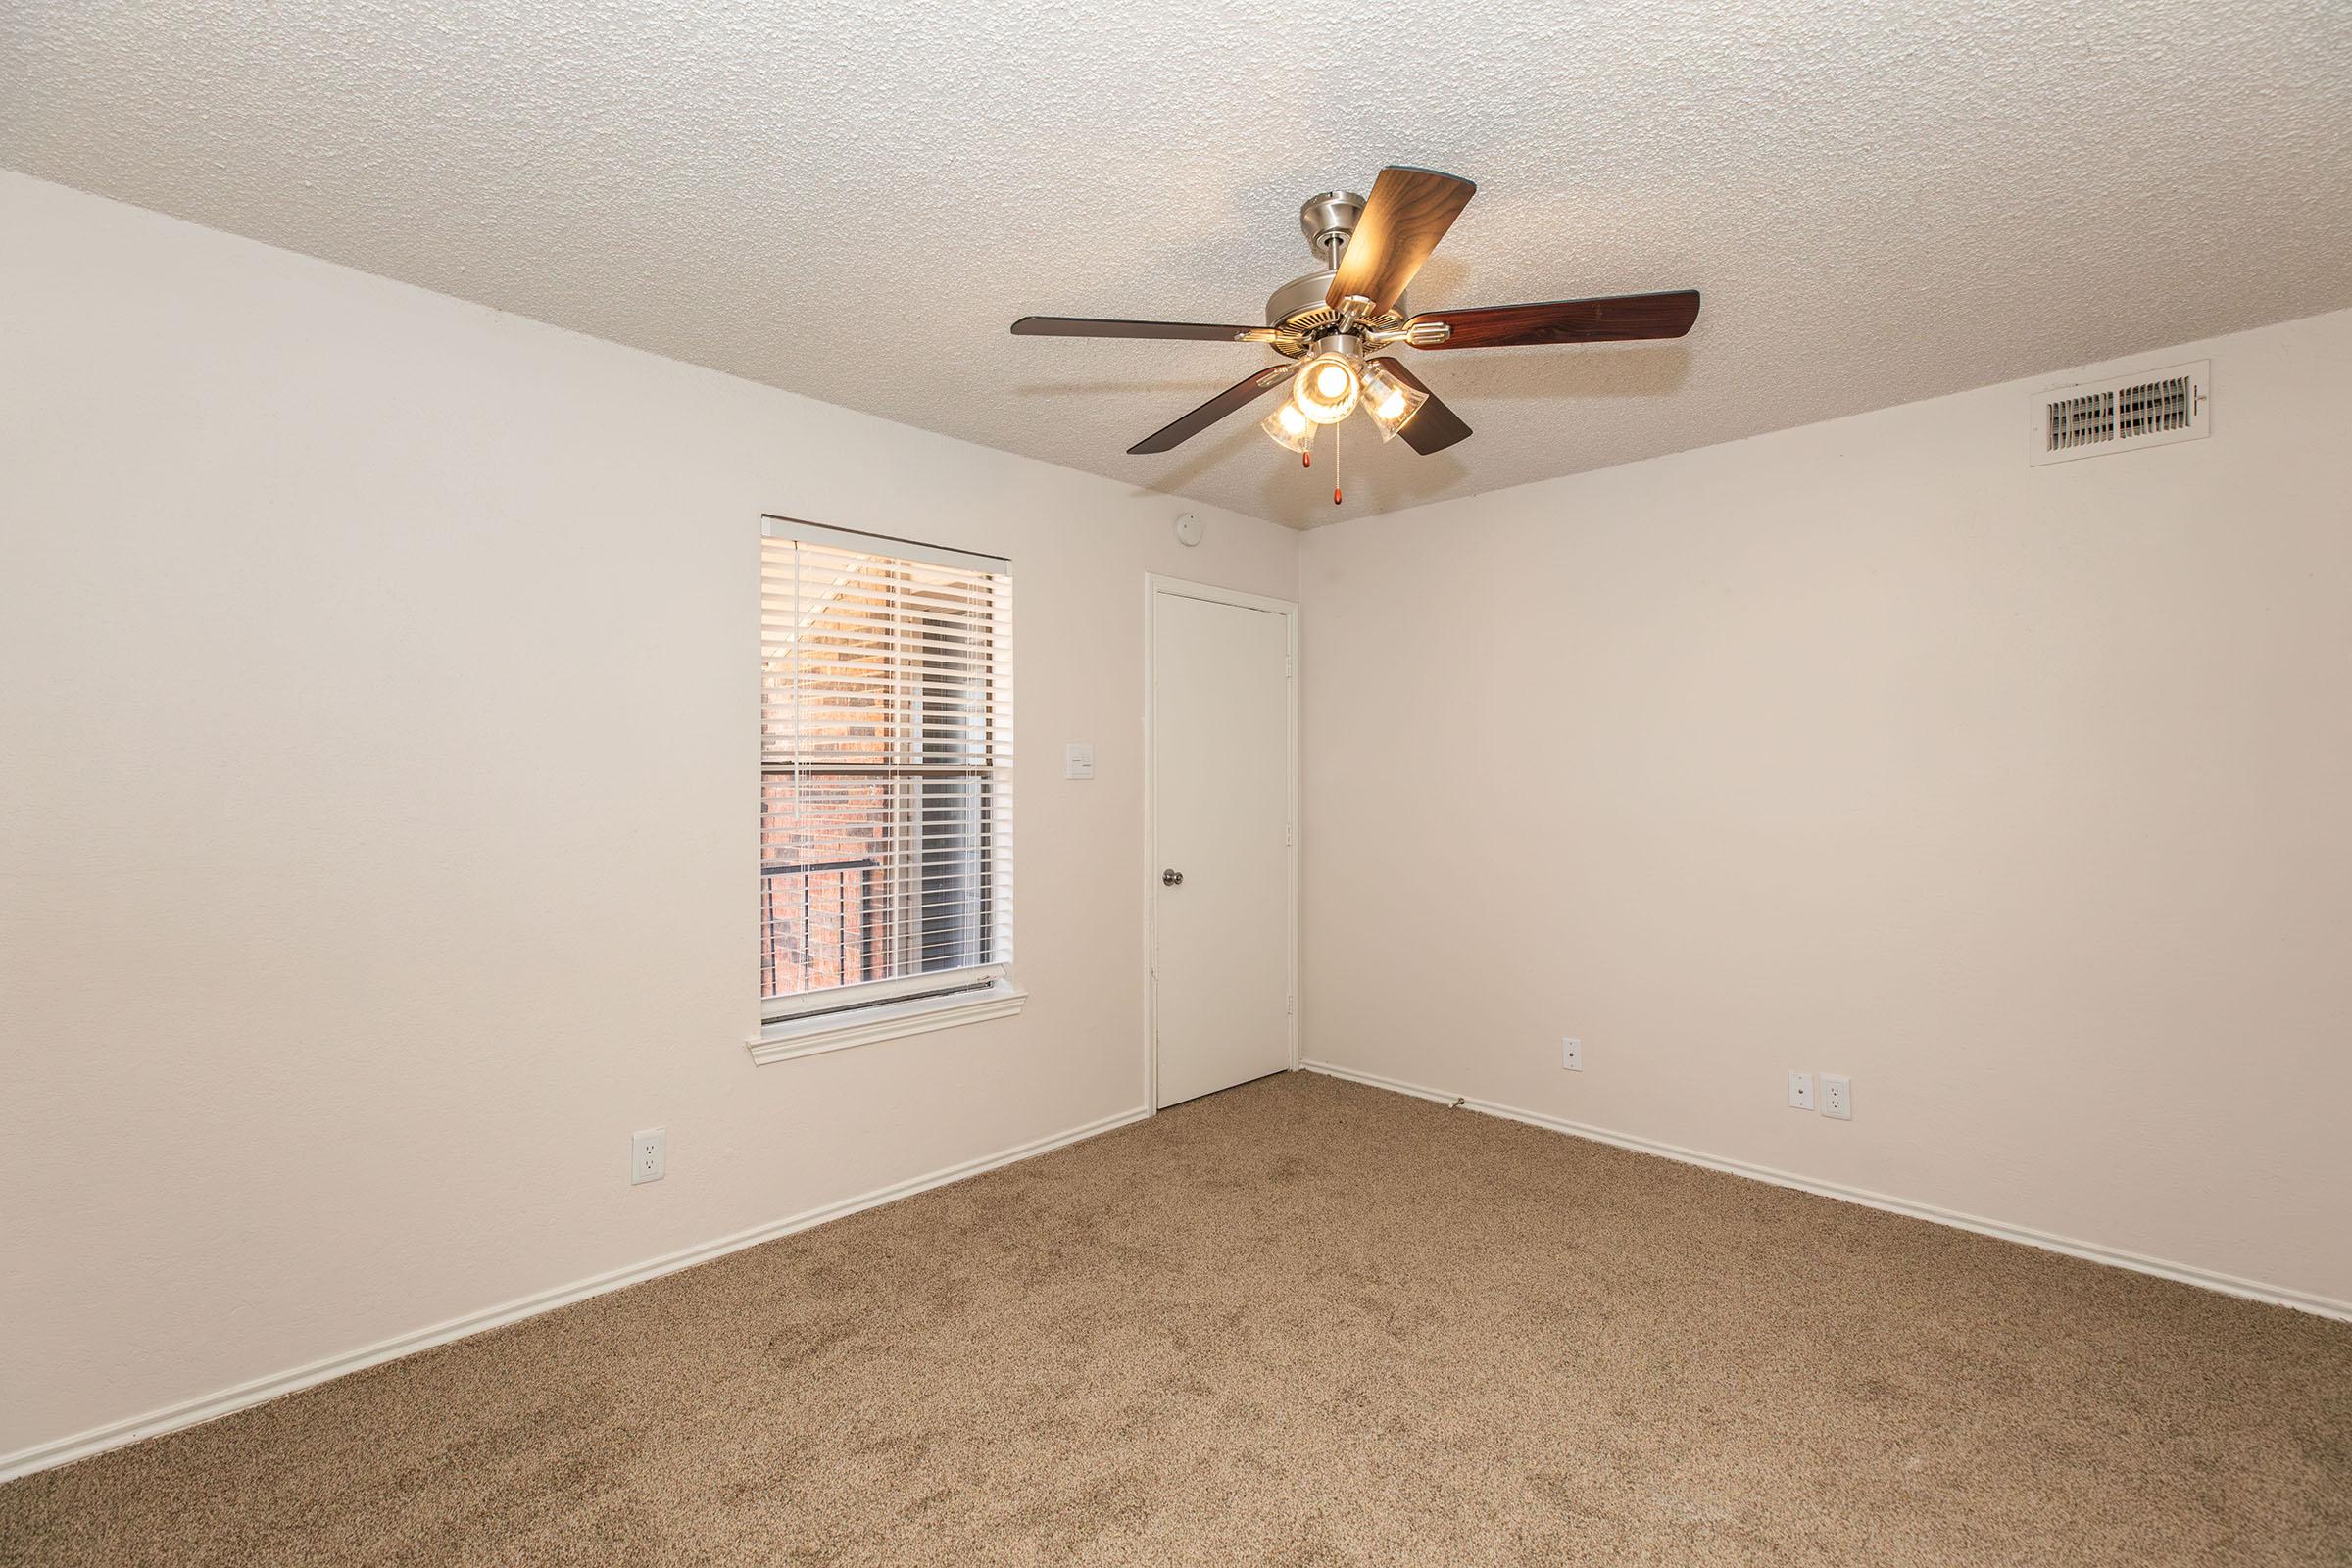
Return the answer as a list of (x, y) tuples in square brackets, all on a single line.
[(788, 1038)]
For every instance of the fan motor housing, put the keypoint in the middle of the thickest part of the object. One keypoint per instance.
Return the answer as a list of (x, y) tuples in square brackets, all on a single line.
[(1298, 298), (1298, 308)]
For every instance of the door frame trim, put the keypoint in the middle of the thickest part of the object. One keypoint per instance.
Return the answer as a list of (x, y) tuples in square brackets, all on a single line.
[(1154, 586)]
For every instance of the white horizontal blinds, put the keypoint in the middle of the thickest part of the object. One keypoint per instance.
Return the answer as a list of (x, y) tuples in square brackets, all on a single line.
[(886, 756)]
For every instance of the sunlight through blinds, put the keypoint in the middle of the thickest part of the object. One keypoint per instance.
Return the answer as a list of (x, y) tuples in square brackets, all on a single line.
[(886, 763)]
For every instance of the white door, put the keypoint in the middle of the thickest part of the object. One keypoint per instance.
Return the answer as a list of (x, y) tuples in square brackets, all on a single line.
[(1221, 808)]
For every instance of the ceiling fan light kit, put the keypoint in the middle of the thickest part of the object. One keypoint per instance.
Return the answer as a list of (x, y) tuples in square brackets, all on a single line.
[(1326, 387), (1290, 428), (1332, 326), (1390, 402)]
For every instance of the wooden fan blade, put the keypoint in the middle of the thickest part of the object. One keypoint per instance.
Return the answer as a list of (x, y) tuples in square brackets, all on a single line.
[(1434, 426), (1615, 319), (1407, 213), (1237, 396), (1091, 327)]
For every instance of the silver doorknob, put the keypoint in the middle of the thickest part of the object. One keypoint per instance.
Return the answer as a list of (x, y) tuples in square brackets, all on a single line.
[(1172, 880)]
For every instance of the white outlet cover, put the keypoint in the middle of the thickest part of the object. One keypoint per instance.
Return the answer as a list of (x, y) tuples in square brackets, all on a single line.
[(1801, 1091), (1837, 1096), (649, 1155), (1572, 1055), (1078, 760)]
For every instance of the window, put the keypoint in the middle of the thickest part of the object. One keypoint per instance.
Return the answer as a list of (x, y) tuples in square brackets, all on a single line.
[(886, 787)]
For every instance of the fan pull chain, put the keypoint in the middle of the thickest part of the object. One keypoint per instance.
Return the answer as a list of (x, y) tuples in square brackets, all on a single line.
[(1335, 464)]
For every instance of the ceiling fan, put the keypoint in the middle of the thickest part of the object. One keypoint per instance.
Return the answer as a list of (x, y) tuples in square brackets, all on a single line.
[(1331, 327)]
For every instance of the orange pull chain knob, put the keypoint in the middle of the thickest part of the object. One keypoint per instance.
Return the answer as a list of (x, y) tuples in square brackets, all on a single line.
[(1306, 460), (1335, 494)]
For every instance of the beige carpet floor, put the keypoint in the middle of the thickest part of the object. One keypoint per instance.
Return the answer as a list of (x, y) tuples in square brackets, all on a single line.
[(1301, 1322)]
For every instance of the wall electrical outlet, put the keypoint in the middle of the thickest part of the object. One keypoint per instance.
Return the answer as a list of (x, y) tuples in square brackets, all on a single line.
[(649, 1154), (1837, 1096), (1572, 1055), (1801, 1091)]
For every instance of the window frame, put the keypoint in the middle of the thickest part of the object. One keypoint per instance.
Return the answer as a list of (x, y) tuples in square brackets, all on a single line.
[(805, 1023)]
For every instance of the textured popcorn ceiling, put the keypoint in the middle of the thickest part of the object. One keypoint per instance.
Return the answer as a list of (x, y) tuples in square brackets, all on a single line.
[(1881, 201)]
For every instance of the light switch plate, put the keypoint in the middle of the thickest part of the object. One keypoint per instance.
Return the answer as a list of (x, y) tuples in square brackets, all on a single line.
[(1078, 760)]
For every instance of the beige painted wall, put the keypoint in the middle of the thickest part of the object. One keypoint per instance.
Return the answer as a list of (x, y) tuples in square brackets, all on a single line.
[(2022, 795), (376, 815), (377, 806)]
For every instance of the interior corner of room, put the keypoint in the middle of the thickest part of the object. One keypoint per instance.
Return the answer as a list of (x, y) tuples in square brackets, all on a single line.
[(1713, 915)]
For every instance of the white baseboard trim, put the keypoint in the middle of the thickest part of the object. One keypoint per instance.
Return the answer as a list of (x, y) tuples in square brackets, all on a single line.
[(2185, 1274), (194, 1412)]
